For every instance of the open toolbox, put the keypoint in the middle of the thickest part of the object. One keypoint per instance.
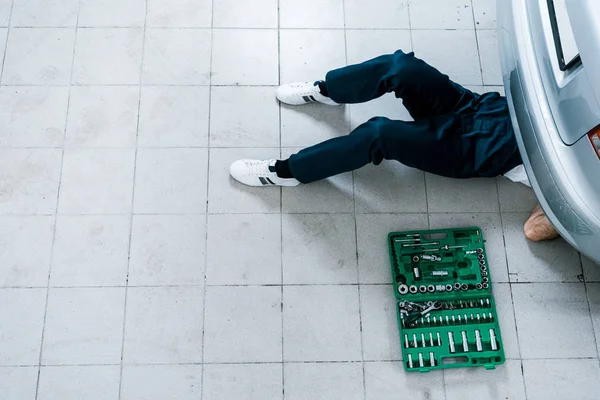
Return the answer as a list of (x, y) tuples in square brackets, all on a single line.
[(445, 308)]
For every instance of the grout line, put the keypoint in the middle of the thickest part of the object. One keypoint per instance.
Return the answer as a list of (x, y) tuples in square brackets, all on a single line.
[(135, 155), (6, 41), (477, 44), (280, 202), (260, 285), (238, 28), (206, 221), (593, 358), (412, 48), (56, 213), (253, 213), (358, 291), (587, 296)]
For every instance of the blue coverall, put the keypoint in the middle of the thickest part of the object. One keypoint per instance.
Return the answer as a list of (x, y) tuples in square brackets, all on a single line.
[(455, 133)]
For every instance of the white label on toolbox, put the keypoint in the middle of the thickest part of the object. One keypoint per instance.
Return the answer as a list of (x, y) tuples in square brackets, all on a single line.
[(439, 273)]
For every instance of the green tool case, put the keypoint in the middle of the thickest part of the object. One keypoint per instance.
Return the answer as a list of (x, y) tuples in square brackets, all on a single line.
[(444, 304)]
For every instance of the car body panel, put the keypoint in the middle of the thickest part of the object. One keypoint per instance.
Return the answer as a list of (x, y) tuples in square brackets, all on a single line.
[(562, 174)]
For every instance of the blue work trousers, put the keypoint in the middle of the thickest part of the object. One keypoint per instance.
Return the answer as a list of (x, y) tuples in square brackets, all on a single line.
[(455, 132)]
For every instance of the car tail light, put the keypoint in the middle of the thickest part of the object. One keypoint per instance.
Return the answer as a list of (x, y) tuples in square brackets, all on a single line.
[(594, 136)]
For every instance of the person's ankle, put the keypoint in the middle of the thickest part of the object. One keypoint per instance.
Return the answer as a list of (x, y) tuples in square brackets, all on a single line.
[(323, 88), (282, 169)]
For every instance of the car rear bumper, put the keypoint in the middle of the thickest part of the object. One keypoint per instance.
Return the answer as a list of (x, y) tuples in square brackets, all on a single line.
[(537, 136)]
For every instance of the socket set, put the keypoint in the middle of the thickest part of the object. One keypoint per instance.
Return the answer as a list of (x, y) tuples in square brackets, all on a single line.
[(446, 312)]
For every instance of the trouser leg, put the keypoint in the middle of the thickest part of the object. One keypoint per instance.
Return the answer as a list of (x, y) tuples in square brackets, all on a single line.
[(430, 145), (425, 91)]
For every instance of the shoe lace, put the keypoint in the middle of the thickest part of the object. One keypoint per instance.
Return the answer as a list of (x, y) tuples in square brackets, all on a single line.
[(307, 88), (259, 168)]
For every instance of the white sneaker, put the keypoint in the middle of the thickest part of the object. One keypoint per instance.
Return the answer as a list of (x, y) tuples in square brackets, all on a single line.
[(258, 173), (299, 93)]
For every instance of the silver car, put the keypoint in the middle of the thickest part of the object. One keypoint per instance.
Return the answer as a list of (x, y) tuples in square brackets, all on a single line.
[(549, 50)]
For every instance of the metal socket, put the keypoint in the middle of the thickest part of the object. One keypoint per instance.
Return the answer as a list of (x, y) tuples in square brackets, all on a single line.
[(402, 289)]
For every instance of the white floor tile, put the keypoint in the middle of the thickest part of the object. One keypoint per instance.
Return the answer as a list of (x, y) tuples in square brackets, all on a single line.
[(171, 181), (243, 381), (112, 13), (312, 123), (22, 316), (20, 265), (363, 44), (504, 382), (553, 320), (29, 179), (332, 195), (3, 37), (311, 14), (84, 326), (441, 49), (244, 117), (229, 196), (148, 382), (380, 336), (506, 319), (494, 88), (39, 56), (104, 116), (562, 379), (90, 251), (386, 380), (319, 249), (173, 117), (167, 250), (38, 13), (108, 56), (255, 260), (323, 381), (163, 325), (392, 14), (242, 324), (440, 14), (515, 197), (245, 57), (23, 382), (550, 261), (389, 187), (373, 252), (236, 14), (307, 55), (490, 57), (177, 57), (485, 14), (461, 195), (593, 292), (5, 11), (74, 383), (97, 181), (179, 13), (591, 270), (321, 323), (491, 226), (33, 116)]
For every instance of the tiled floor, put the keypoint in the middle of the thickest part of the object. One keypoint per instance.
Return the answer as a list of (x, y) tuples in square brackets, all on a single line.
[(133, 267)]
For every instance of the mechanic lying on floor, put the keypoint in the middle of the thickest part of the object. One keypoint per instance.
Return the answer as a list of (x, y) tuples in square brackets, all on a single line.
[(456, 133)]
